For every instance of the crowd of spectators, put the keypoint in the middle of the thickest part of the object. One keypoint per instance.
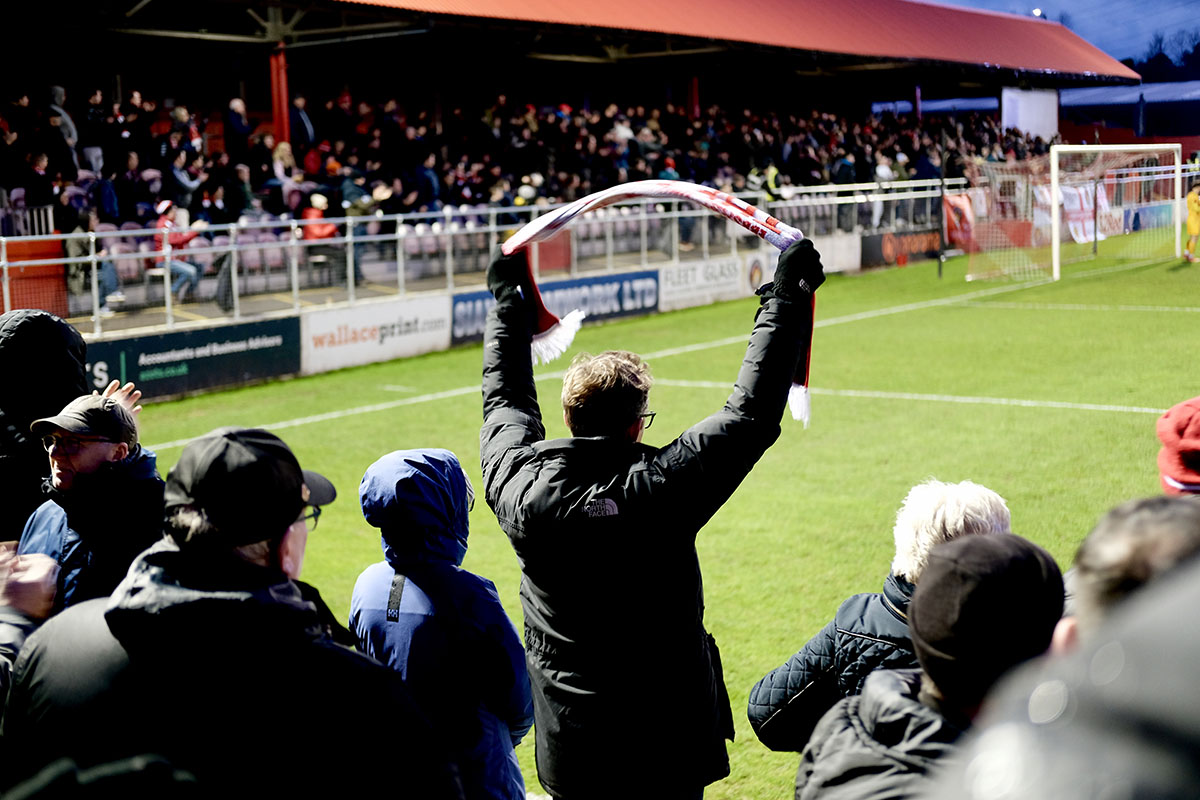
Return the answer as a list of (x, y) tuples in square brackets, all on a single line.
[(124, 155)]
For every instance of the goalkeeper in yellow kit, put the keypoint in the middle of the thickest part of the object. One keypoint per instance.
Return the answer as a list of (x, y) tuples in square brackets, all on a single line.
[(1193, 221)]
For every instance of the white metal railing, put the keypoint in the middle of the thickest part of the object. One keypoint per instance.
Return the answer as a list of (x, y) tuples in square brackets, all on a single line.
[(268, 256)]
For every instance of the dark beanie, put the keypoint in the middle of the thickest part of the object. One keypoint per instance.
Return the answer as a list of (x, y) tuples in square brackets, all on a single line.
[(984, 605)]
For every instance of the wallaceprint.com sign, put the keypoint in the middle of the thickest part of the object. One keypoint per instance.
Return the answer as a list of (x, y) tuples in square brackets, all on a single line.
[(891, 248), (187, 361), (605, 296), (368, 333)]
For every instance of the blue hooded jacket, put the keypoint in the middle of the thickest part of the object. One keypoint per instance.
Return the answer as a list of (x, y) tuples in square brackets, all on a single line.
[(439, 626)]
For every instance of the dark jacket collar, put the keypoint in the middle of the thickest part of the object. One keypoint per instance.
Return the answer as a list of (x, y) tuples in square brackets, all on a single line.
[(170, 597), (897, 593)]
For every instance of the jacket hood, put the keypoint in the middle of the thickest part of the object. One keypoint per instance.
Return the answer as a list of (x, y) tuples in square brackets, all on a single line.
[(38, 343), (420, 500), (170, 596)]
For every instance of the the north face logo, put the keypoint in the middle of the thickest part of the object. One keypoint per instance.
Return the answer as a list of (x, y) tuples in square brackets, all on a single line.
[(602, 507)]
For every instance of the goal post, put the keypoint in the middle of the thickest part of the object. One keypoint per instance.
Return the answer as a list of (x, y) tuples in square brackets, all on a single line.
[(1119, 176), (1026, 219)]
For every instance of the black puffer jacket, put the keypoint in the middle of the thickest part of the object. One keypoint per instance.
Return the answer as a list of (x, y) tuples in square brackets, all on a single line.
[(880, 745), (622, 669), (229, 671), (42, 359), (869, 632)]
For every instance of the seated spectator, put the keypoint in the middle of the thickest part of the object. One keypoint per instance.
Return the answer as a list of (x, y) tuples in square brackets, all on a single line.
[(33, 343), (213, 209), (1130, 546), (985, 604), (241, 195), (331, 256), (212, 656), (104, 497), (261, 161), (1179, 458), (108, 282), (870, 631), (187, 274), (439, 626)]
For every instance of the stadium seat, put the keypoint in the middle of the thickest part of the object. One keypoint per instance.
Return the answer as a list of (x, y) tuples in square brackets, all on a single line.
[(272, 251), (202, 259)]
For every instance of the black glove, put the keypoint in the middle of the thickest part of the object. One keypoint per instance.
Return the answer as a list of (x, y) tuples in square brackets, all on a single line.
[(508, 276), (798, 274)]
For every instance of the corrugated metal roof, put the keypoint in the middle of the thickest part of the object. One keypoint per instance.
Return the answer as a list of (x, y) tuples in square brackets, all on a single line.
[(901, 29), (1178, 92)]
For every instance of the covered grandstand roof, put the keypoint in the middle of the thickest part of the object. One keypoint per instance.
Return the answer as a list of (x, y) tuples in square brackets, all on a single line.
[(903, 30)]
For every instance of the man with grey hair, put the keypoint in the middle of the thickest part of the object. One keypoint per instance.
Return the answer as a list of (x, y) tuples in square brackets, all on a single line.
[(601, 507), (870, 631)]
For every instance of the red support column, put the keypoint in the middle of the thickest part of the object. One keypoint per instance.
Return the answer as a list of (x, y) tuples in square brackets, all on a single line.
[(694, 97), (280, 107)]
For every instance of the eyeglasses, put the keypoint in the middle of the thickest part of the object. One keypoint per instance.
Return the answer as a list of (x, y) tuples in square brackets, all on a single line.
[(649, 417), (69, 445), (314, 514)]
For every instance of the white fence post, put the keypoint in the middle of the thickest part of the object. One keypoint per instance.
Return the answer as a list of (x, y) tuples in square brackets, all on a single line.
[(294, 258), (95, 282)]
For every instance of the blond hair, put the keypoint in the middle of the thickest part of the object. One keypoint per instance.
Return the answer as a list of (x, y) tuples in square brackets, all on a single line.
[(283, 154), (603, 395), (936, 512)]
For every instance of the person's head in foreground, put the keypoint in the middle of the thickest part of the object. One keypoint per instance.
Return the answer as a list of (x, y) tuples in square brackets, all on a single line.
[(1130, 546), (606, 395), (984, 605), (1179, 458), (935, 512), (91, 432), (242, 489)]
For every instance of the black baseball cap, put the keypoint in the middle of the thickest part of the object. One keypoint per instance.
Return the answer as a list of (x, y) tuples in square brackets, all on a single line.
[(983, 605), (92, 415), (246, 482)]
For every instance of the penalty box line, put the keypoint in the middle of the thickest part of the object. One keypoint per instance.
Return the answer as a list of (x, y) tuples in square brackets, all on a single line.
[(330, 416)]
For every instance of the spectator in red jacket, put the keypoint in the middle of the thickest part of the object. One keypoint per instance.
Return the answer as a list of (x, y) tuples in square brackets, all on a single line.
[(186, 274)]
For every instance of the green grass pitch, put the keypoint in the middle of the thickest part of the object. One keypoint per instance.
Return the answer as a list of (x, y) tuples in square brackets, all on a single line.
[(1046, 393)]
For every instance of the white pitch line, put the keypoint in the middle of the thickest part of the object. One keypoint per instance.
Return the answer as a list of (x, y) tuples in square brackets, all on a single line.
[(1079, 307), (935, 398), (463, 390)]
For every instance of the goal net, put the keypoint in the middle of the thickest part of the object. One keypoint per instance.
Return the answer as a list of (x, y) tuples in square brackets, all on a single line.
[(1110, 204)]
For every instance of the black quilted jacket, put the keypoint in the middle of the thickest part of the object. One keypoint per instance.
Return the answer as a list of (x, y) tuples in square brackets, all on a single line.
[(881, 745), (621, 667), (869, 632)]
